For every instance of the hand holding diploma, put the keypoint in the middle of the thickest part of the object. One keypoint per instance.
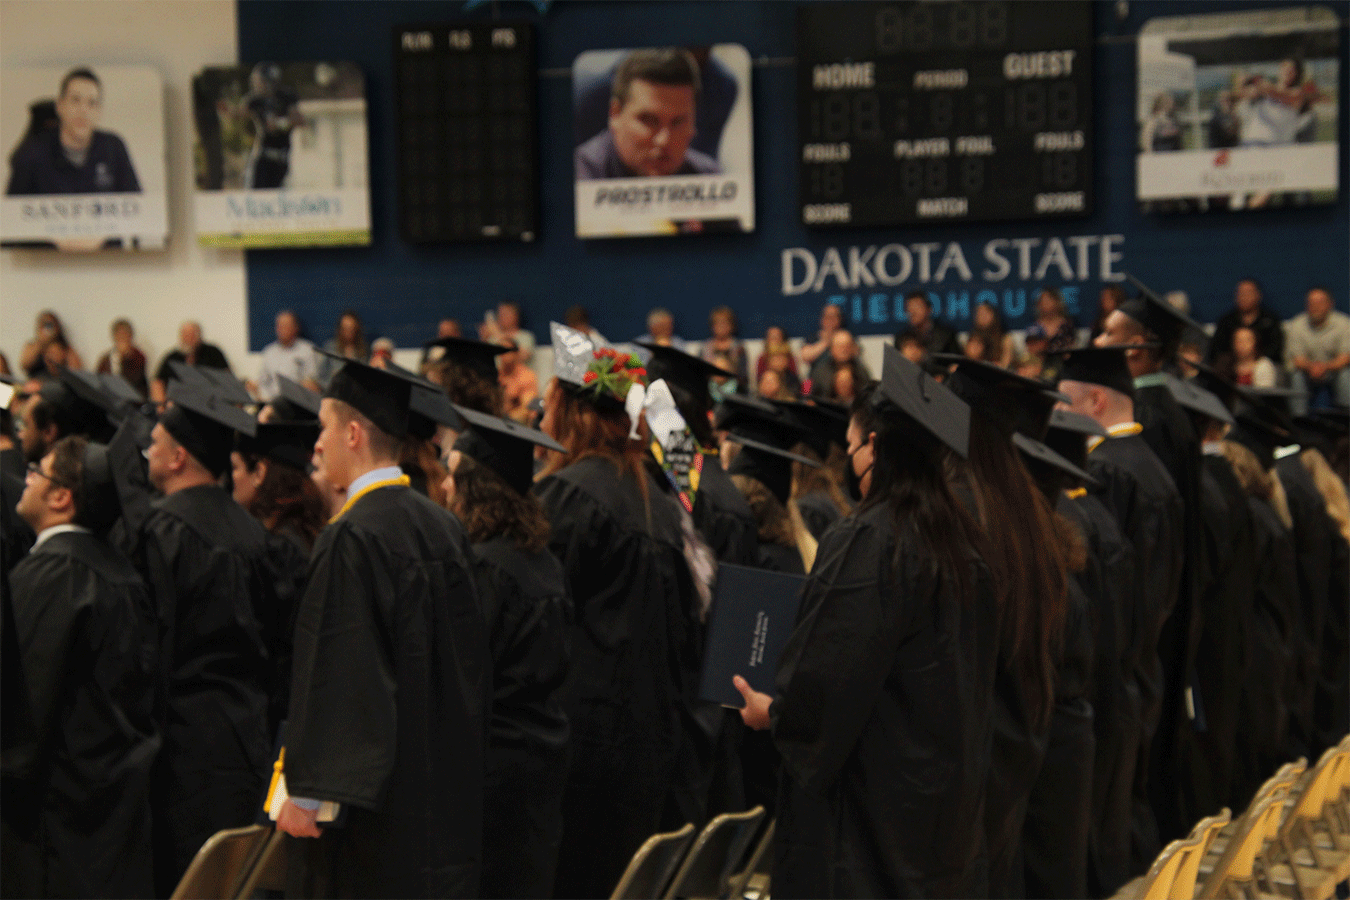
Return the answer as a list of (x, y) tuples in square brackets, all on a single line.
[(755, 713), (298, 822)]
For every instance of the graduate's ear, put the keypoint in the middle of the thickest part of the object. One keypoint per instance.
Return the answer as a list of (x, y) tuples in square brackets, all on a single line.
[(354, 434), (60, 500)]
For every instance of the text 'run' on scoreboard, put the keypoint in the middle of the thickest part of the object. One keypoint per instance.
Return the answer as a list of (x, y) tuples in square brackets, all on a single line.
[(928, 112)]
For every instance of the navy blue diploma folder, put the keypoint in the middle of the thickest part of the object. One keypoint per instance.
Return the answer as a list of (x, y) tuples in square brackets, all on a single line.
[(753, 612)]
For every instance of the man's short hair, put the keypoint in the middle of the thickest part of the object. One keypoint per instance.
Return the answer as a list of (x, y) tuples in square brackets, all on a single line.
[(919, 295), (657, 315), (68, 471), (87, 74), (660, 65), (383, 445)]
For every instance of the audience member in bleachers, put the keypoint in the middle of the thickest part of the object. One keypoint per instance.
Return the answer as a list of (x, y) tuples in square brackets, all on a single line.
[(520, 386), (433, 351), (49, 351), (1249, 310), (1246, 362), (771, 386), (1318, 353), (348, 341), (723, 348), (777, 355), (660, 330), (467, 371), (1052, 317), (1108, 301), (290, 355), (381, 352), (577, 317), (125, 359), (844, 356), (506, 327), (192, 350), (831, 320), (995, 343), (933, 335)]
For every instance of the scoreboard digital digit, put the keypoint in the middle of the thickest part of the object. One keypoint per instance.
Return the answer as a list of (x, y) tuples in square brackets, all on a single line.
[(467, 158), (966, 111)]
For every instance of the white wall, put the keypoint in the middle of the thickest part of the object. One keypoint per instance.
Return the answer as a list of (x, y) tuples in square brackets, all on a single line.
[(156, 290)]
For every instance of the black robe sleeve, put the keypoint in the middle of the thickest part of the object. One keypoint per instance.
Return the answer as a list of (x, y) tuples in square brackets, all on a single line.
[(724, 519)]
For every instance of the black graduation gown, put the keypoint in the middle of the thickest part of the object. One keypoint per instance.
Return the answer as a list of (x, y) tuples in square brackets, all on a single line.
[(1331, 702), (1312, 533), (18, 756), (818, 512), (885, 690), (15, 535), (389, 703), (1138, 490), (624, 695), (1108, 581), (87, 638), (1169, 433), (1059, 810), (289, 559), (723, 517), (205, 561), (1225, 607), (1264, 711), (525, 604), (780, 558)]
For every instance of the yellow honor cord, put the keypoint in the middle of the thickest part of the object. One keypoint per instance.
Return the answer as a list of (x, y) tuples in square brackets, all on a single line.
[(400, 481)]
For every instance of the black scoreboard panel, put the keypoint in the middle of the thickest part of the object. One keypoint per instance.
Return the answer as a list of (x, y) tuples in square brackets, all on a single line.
[(964, 110), (466, 100)]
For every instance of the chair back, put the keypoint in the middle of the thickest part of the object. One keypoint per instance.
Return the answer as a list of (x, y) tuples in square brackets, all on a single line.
[(650, 868), (221, 866), (759, 861), (269, 872), (1196, 846), (1259, 825), (716, 854), (1310, 802), (1157, 883)]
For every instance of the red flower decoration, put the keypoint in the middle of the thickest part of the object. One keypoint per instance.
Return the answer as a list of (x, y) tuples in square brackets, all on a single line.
[(589, 377)]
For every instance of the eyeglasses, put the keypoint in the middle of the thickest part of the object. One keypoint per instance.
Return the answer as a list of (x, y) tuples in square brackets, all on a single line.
[(36, 469)]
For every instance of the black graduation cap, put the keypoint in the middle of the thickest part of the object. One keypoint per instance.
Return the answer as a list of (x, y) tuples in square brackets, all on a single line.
[(824, 425), (289, 443), (1321, 432), (1068, 434), (98, 501), (683, 369), (90, 390), (1259, 432), (932, 406), (1214, 381), (120, 390), (191, 375), (1068, 420), (1274, 397), (1040, 454), (295, 402), (504, 446), (428, 408), (1190, 395), (1332, 421), (381, 395), (226, 386), (76, 408), (1104, 366), (479, 357), (1157, 315), (205, 425), (1010, 401), (766, 434)]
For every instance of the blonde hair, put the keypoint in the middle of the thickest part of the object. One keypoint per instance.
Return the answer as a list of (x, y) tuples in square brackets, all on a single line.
[(777, 524), (1330, 487), (1258, 482)]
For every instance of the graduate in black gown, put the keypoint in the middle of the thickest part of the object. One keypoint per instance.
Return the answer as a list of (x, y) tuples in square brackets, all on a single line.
[(1107, 580), (525, 603), (1146, 320), (392, 678), (886, 685), (86, 636), (205, 561), (270, 478), (1030, 568), (467, 370), (1137, 489), (819, 489), (617, 533)]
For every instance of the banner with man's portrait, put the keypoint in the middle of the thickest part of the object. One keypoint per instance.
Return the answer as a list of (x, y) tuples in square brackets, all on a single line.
[(281, 155), (1237, 110), (85, 147), (662, 141)]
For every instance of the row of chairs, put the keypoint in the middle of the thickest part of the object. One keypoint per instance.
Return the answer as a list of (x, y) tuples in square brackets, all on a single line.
[(1292, 842), (236, 863), (718, 864)]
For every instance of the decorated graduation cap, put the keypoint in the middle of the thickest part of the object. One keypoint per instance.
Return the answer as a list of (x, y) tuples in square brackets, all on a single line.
[(383, 396), (504, 446), (824, 423), (77, 408), (1193, 397), (98, 500), (205, 425), (909, 390), (595, 371), (1103, 366), (479, 357), (295, 402), (1157, 316), (1008, 400), (766, 434), (289, 443)]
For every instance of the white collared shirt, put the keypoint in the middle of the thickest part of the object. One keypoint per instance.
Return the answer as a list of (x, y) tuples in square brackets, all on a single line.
[(53, 531)]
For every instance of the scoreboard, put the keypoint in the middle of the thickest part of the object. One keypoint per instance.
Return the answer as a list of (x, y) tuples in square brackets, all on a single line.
[(467, 158), (963, 111)]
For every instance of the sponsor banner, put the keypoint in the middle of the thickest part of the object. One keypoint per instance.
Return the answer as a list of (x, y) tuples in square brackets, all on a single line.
[(680, 204), (69, 219), (283, 218), (1190, 173)]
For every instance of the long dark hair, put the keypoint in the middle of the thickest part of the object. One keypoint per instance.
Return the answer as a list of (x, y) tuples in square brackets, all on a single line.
[(1026, 555), (489, 507), (286, 500), (907, 476)]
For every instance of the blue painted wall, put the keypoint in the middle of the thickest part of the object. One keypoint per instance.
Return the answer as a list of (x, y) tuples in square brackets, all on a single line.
[(403, 290)]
